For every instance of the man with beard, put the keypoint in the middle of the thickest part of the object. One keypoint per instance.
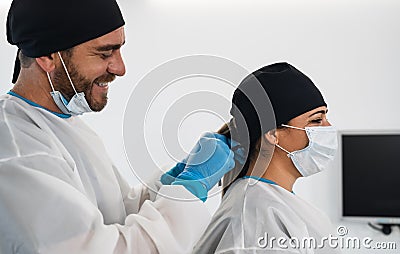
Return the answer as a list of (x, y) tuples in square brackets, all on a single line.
[(59, 191)]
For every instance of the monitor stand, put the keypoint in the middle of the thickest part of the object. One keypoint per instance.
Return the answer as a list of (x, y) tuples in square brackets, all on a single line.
[(384, 228)]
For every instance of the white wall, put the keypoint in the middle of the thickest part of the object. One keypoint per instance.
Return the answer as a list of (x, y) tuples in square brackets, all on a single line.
[(349, 48)]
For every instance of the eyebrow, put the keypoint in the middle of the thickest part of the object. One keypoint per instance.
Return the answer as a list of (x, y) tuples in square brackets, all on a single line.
[(319, 112), (109, 47)]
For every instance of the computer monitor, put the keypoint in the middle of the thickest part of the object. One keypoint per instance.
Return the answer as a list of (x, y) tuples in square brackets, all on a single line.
[(370, 174)]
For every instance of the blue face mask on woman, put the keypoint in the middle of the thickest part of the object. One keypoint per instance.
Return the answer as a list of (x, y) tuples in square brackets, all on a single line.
[(321, 150), (77, 105)]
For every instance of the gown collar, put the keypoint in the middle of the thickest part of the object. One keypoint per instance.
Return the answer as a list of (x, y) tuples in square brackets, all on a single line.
[(37, 105)]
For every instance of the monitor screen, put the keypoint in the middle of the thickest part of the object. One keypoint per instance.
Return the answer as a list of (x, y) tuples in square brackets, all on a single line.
[(371, 175)]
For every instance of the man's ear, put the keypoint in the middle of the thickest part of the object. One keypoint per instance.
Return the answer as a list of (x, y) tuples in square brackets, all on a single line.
[(47, 63), (271, 137)]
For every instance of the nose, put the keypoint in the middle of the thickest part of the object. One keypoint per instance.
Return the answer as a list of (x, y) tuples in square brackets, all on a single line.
[(326, 123), (117, 66)]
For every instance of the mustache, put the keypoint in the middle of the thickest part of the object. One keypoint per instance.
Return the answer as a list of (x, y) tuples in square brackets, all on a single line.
[(105, 78)]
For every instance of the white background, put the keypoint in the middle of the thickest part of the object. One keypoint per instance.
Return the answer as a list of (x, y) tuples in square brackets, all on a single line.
[(349, 48)]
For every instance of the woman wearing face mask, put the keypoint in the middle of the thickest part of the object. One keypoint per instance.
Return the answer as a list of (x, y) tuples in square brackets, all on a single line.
[(259, 212)]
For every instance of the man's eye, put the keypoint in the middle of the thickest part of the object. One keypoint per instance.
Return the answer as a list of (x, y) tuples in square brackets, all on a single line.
[(106, 55)]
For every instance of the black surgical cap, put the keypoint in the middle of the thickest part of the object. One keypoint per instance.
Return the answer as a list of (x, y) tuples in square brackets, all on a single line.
[(41, 27), (290, 93)]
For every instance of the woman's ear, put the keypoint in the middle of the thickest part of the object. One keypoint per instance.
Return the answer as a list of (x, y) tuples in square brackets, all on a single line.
[(47, 63), (271, 137)]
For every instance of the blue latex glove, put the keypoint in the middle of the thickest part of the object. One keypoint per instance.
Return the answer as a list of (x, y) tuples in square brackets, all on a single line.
[(170, 176), (206, 165), (238, 150)]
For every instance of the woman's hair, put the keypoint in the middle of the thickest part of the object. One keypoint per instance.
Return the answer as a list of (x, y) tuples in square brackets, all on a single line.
[(253, 149)]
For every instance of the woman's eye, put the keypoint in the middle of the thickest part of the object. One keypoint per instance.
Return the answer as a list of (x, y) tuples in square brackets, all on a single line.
[(316, 121)]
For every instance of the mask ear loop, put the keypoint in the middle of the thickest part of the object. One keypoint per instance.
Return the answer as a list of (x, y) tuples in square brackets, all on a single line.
[(293, 127), (66, 71), (283, 149), (280, 147), (51, 83)]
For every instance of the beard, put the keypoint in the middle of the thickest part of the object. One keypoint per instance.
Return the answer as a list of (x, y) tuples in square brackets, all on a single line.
[(81, 84)]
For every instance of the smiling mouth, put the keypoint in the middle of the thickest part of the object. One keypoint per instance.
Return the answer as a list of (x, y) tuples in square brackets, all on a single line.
[(104, 81)]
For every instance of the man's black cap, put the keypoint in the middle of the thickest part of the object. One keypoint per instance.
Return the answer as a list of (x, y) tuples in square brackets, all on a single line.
[(41, 27)]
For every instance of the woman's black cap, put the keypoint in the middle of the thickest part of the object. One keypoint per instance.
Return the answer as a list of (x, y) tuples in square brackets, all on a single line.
[(289, 93)]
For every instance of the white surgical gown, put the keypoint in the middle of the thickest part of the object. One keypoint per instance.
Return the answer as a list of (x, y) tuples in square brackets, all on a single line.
[(60, 193), (253, 212)]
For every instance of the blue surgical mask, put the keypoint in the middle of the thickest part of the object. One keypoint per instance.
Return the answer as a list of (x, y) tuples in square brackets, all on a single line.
[(321, 150), (77, 105)]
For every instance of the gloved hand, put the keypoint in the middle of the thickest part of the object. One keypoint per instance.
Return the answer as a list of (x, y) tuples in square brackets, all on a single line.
[(207, 163), (168, 177), (238, 150)]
